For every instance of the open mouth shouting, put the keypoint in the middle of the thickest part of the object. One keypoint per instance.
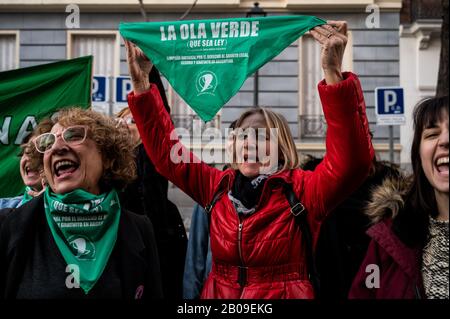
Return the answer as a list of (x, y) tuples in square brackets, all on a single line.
[(30, 173), (441, 165), (31, 176), (64, 168), (250, 158)]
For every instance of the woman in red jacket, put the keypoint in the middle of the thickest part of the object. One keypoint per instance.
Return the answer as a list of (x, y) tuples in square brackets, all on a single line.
[(408, 255), (257, 247)]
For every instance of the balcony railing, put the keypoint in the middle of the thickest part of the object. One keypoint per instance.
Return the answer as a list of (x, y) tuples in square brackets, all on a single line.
[(414, 10), (312, 126)]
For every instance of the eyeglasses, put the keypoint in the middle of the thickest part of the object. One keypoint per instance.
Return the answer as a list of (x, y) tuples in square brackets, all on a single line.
[(129, 120), (72, 135), (125, 121)]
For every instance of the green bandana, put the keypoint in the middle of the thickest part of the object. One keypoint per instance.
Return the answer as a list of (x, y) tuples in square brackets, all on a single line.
[(207, 61), (84, 227), (27, 197)]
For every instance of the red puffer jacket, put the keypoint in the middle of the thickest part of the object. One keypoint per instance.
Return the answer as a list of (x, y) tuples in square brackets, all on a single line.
[(261, 255)]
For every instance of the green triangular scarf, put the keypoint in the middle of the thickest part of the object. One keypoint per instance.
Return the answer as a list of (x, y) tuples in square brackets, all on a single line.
[(84, 227), (27, 197), (207, 61)]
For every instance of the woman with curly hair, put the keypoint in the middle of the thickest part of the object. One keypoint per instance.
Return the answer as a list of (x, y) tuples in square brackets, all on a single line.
[(75, 240)]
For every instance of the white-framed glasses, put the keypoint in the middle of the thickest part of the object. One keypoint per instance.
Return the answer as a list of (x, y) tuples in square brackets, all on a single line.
[(73, 135), (129, 120), (125, 121)]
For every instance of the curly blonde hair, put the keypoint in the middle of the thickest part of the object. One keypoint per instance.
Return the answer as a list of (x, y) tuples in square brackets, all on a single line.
[(114, 142)]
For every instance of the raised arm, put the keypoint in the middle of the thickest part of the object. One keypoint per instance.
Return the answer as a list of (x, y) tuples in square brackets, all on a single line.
[(349, 150), (156, 129)]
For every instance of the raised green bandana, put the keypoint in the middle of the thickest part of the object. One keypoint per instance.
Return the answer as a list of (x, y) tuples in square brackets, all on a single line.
[(84, 227), (207, 61)]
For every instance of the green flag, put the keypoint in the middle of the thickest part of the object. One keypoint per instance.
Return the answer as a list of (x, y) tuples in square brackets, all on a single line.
[(26, 96), (207, 61)]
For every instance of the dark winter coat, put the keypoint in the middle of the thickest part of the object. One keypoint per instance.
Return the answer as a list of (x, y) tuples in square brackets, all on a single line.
[(147, 195), (343, 241), (397, 266)]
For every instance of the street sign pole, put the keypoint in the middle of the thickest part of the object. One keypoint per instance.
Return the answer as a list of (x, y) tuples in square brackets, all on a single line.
[(391, 143)]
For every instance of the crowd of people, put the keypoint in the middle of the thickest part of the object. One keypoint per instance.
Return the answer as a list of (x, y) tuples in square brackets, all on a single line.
[(95, 220)]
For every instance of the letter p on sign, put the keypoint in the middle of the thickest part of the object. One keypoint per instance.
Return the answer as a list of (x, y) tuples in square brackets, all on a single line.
[(390, 100)]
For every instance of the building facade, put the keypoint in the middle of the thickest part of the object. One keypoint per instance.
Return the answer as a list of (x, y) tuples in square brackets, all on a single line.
[(41, 31), (420, 47)]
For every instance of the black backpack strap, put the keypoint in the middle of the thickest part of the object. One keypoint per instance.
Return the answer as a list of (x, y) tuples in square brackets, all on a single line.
[(299, 212), (210, 206)]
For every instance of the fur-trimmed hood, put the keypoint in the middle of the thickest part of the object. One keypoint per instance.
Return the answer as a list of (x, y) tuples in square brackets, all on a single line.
[(388, 199)]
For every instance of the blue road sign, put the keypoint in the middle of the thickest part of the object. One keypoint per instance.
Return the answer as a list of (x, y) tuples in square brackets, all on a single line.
[(123, 87), (390, 106), (99, 89)]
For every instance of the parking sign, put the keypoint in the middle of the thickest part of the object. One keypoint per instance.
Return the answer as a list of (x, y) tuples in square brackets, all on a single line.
[(390, 106), (99, 88), (123, 87)]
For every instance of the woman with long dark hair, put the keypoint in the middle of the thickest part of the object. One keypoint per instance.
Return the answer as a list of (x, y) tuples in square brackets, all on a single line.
[(408, 256)]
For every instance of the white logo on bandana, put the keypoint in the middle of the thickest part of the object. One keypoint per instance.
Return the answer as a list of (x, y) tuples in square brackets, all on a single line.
[(206, 83), (83, 247)]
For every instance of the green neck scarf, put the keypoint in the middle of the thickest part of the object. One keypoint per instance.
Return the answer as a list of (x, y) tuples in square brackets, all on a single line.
[(84, 227), (27, 197), (207, 61)]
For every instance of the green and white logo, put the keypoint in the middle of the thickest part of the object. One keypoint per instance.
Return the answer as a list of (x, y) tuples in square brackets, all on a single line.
[(206, 83), (82, 247)]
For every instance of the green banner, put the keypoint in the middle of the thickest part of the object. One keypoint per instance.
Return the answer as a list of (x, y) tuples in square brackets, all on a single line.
[(207, 61), (26, 96)]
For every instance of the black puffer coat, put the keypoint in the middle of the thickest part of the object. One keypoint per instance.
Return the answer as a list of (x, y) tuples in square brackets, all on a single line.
[(148, 195), (343, 241)]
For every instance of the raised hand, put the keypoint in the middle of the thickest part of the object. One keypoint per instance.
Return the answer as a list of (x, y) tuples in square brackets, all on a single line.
[(139, 67), (333, 39)]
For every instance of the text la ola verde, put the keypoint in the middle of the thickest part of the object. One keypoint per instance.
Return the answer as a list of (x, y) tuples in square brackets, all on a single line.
[(229, 29)]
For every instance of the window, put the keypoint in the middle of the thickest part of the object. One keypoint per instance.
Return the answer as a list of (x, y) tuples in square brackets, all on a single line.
[(9, 50), (103, 45), (311, 119)]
